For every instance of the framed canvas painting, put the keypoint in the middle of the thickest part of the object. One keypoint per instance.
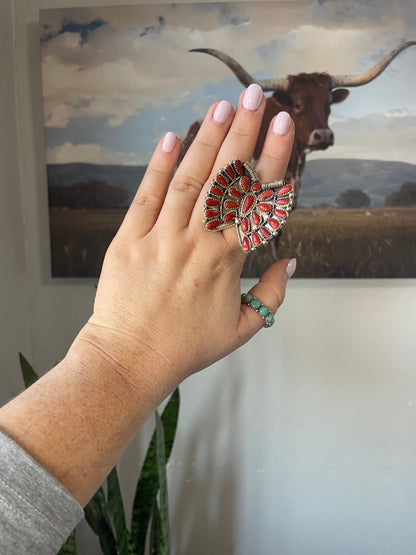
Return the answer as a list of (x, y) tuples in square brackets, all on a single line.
[(115, 79)]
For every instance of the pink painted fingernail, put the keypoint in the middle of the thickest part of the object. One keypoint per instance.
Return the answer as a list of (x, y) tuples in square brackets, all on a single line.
[(253, 97), (291, 267), (222, 111), (282, 123), (169, 142)]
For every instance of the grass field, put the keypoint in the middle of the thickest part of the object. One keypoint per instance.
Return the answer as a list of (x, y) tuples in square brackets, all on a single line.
[(329, 242)]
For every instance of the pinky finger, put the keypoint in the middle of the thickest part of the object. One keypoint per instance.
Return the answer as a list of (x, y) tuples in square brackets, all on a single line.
[(148, 201)]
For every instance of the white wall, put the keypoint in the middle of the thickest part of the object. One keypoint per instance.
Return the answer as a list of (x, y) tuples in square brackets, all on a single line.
[(301, 443)]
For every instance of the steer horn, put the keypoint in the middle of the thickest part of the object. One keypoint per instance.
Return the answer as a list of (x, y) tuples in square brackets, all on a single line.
[(372, 73), (242, 75)]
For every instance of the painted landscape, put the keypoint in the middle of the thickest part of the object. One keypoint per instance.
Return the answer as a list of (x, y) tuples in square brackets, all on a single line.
[(115, 79), (361, 224)]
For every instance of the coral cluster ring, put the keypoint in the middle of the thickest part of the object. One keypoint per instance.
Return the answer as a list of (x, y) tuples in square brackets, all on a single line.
[(237, 198)]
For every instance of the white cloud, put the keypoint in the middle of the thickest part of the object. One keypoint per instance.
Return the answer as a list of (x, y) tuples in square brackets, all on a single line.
[(92, 154), (117, 72)]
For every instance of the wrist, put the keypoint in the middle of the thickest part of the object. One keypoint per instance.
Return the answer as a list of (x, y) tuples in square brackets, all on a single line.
[(125, 359)]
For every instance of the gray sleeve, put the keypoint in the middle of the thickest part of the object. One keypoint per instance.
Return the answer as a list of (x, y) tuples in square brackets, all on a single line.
[(37, 513)]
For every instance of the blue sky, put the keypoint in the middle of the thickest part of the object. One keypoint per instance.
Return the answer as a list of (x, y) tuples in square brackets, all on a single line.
[(115, 79)]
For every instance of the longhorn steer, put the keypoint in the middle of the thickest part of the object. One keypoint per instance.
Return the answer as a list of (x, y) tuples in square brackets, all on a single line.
[(307, 97)]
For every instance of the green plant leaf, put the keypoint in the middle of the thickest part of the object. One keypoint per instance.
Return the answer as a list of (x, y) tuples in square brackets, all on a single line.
[(148, 483), (96, 514), (116, 511), (164, 542), (155, 531), (69, 547), (29, 375)]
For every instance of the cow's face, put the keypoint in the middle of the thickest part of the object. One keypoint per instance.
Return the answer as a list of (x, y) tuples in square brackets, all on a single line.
[(308, 99)]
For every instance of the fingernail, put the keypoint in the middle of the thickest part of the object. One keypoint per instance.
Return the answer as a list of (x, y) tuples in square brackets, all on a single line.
[(282, 123), (169, 142), (253, 97), (222, 111), (291, 267)]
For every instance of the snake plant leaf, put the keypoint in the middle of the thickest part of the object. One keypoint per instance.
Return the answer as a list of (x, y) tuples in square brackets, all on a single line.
[(155, 531), (148, 483), (96, 514), (164, 542), (116, 511), (69, 547), (29, 375)]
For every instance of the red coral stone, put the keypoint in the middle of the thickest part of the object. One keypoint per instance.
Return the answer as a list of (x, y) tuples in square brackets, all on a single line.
[(279, 213), (230, 171), (265, 232), (248, 203), (256, 218), (245, 183), (274, 223), (284, 190), (229, 217), (212, 202), (236, 193), (244, 225), (283, 201), (216, 191), (266, 195), (213, 224), (212, 214), (231, 204), (256, 239), (256, 187), (238, 166), (264, 207), (221, 180), (246, 244)]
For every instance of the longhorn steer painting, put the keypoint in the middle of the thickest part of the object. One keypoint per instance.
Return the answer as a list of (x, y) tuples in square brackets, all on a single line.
[(115, 79)]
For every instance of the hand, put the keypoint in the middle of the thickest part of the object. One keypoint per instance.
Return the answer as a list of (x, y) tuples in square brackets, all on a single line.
[(169, 292), (167, 304)]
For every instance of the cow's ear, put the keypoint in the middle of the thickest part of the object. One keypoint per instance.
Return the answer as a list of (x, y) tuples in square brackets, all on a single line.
[(339, 95), (282, 97)]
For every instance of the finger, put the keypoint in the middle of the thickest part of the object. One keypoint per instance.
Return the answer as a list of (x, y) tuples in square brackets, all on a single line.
[(270, 291), (242, 137), (197, 164), (148, 201), (239, 143), (277, 148)]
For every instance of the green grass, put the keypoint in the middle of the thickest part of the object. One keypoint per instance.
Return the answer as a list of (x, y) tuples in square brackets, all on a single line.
[(327, 242)]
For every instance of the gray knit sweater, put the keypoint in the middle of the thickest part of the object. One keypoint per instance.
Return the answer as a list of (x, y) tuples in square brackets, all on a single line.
[(37, 513)]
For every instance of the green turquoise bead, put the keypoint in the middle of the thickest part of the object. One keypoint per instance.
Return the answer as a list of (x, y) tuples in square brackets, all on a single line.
[(264, 311), (255, 303), (270, 319), (246, 298)]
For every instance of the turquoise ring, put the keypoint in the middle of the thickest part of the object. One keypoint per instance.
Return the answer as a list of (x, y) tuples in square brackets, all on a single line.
[(260, 308)]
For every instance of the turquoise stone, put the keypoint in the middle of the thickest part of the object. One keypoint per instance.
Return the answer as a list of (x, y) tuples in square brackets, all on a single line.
[(246, 298), (264, 311), (255, 303), (270, 319)]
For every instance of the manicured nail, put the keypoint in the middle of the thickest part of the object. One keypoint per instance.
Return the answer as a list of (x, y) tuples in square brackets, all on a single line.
[(291, 267), (282, 123), (169, 142), (222, 111), (253, 97)]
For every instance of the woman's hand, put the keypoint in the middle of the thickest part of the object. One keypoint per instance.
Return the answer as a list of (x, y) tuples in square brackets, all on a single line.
[(169, 292), (168, 304)]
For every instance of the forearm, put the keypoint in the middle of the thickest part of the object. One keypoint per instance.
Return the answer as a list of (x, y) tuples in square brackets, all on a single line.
[(79, 417)]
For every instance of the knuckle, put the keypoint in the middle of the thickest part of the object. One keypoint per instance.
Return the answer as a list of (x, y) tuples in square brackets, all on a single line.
[(187, 184)]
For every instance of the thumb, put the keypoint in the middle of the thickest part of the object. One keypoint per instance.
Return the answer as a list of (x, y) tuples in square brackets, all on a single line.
[(270, 291)]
